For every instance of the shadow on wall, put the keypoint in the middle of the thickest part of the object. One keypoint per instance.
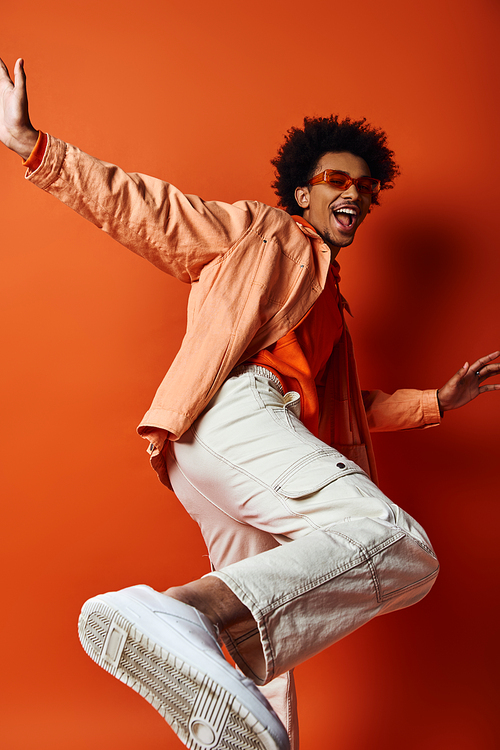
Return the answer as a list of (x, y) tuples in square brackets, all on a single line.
[(421, 282)]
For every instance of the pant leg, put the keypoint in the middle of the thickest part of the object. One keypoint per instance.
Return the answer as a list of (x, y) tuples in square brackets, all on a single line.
[(229, 541), (346, 552)]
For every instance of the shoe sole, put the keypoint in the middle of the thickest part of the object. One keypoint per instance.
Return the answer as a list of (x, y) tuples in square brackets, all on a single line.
[(203, 714)]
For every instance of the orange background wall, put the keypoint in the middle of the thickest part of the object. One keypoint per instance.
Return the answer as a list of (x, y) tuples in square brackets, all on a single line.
[(201, 94)]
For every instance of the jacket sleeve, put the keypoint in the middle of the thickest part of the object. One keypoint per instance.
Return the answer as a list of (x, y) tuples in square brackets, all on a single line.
[(178, 233), (405, 409)]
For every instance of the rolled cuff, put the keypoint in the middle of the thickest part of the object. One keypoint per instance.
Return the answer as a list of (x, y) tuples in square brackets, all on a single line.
[(36, 157), (406, 409)]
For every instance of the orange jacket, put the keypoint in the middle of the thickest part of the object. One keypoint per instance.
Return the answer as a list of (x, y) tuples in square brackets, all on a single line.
[(254, 273)]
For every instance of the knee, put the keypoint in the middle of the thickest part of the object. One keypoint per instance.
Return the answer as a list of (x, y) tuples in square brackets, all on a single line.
[(411, 575), (429, 570)]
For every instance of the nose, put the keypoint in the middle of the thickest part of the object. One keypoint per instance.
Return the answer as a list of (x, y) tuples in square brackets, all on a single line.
[(351, 192)]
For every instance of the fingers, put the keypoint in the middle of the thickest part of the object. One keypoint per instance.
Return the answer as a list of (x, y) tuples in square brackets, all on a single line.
[(4, 71), (490, 368), (478, 364), (19, 73), (488, 388), (489, 371)]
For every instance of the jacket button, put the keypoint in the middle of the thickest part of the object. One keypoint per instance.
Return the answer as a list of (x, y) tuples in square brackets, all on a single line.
[(341, 466)]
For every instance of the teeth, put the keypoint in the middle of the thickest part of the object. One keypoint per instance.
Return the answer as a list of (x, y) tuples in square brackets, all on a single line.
[(346, 211)]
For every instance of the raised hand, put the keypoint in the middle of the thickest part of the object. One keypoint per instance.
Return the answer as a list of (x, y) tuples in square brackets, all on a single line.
[(16, 130), (467, 383)]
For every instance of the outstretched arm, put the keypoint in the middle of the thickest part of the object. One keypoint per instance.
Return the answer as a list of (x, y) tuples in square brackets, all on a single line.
[(180, 234), (16, 130), (467, 383), (410, 409)]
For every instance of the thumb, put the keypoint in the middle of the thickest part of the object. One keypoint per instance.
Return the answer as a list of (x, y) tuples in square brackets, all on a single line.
[(459, 375), (20, 75)]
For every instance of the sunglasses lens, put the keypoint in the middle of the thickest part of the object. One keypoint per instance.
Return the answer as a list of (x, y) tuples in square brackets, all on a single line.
[(338, 180), (368, 185)]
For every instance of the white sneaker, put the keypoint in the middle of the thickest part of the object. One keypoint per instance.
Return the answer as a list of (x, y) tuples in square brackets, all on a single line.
[(168, 652)]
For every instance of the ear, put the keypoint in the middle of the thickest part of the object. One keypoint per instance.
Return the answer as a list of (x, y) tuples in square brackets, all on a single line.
[(302, 196)]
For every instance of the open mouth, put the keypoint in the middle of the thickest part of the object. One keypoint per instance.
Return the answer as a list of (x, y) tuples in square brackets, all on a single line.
[(345, 217)]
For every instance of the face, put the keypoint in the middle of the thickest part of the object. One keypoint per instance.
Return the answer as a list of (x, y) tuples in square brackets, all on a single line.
[(336, 215)]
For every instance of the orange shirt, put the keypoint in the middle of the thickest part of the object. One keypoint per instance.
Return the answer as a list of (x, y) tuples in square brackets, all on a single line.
[(299, 358)]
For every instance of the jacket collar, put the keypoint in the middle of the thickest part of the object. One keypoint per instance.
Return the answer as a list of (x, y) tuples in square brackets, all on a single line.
[(305, 227)]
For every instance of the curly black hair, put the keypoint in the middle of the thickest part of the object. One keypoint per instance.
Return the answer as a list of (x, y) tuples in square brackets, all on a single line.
[(298, 156)]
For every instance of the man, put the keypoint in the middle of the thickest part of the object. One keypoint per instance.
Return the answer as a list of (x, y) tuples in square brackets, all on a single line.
[(259, 426)]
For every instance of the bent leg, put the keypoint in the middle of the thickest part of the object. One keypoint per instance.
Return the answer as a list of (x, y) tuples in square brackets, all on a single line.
[(344, 547), (307, 595)]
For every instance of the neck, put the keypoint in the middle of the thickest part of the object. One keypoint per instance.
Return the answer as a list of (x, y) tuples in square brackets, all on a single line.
[(334, 251)]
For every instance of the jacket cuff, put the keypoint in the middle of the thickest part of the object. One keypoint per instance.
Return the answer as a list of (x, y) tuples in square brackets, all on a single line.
[(35, 158), (50, 167), (430, 408)]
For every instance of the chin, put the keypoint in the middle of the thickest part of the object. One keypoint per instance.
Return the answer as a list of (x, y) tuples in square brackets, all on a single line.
[(342, 241), (347, 242), (337, 241)]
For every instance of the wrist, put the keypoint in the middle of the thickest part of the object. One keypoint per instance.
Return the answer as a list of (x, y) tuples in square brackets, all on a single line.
[(24, 141), (441, 410)]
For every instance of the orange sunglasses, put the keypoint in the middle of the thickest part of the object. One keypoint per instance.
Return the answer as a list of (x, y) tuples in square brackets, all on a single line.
[(342, 181)]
